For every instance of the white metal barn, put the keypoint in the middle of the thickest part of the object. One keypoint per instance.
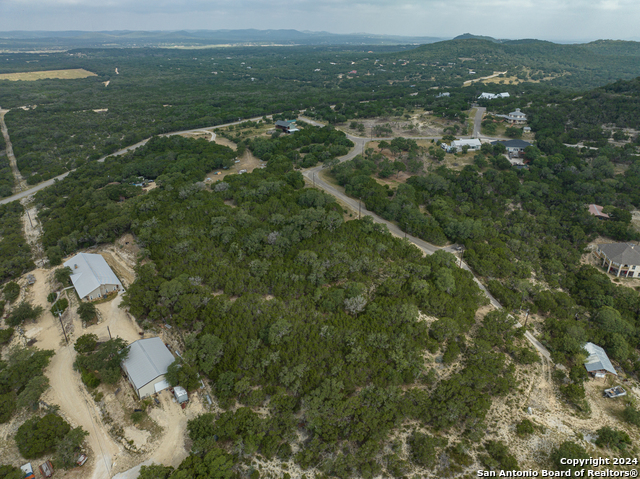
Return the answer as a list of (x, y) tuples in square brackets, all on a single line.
[(91, 276), (146, 366)]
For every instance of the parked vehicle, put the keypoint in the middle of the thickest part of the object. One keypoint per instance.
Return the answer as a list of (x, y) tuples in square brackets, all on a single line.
[(46, 469), (615, 392), (81, 459)]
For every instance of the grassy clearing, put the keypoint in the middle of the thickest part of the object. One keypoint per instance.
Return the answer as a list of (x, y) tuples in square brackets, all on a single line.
[(48, 74)]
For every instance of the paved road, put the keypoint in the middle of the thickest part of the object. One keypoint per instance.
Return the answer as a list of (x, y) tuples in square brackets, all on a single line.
[(477, 121), (313, 175)]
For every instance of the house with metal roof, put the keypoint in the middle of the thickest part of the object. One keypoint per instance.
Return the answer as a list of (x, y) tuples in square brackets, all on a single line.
[(473, 144), (598, 363), (146, 366), (92, 277), (288, 126), (621, 259), (493, 96)]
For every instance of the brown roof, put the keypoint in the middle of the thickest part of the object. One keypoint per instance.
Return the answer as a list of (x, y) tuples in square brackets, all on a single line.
[(596, 210)]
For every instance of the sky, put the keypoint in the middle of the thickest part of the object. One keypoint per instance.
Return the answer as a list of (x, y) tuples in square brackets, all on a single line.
[(555, 20)]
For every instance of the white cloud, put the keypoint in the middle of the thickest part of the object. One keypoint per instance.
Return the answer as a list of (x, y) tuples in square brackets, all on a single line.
[(545, 19)]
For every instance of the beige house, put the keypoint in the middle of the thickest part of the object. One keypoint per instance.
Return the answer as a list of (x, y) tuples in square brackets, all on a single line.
[(517, 117), (621, 259), (146, 366)]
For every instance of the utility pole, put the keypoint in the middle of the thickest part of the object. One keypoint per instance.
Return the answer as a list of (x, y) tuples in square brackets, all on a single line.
[(526, 319), (59, 313), (109, 332)]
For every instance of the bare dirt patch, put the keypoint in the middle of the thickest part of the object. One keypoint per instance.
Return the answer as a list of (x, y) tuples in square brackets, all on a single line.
[(247, 162), (71, 74)]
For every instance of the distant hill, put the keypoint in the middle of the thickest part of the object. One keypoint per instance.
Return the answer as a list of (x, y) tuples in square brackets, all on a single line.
[(24, 40), (467, 36), (577, 66)]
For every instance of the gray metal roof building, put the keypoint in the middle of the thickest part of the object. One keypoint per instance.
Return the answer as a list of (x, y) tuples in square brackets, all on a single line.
[(598, 362), (146, 366), (91, 276)]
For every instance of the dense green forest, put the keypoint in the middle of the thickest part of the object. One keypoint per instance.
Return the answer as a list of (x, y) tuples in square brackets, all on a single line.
[(15, 254), (338, 352), (561, 117), (65, 123)]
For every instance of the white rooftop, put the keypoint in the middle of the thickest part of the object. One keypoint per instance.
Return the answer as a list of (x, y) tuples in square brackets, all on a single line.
[(148, 359), (89, 271), (473, 143), (598, 359)]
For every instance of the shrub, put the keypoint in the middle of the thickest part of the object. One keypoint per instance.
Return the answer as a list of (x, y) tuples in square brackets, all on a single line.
[(5, 335), (86, 343), (22, 313), (137, 416), (500, 457), (525, 427), (86, 311), (11, 291), (423, 448), (612, 438), (39, 435), (568, 449), (7, 406), (631, 415), (60, 306), (90, 379)]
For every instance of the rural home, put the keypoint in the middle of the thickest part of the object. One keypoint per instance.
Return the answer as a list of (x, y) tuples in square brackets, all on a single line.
[(514, 147), (493, 96), (596, 210), (473, 144), (517, 117), (92, 277), (146, 366), (598, 363), (621, 259), (288, 126)]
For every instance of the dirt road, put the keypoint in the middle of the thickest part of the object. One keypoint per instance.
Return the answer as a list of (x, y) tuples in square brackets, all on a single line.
[(68, 392), (20, 183), (469, 82)]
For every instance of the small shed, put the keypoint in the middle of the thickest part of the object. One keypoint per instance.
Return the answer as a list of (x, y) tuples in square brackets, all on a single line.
[(180, 394), (598, 363)]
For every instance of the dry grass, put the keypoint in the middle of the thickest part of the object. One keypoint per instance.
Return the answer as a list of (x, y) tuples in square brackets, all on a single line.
[(48, 74)]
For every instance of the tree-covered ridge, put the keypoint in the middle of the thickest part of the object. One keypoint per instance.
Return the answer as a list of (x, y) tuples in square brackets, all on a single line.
[(90, 207), (318, 320), (15, 254), (573, 66)]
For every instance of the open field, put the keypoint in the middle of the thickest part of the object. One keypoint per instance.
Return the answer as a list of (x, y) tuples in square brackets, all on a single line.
[(48, 74)]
